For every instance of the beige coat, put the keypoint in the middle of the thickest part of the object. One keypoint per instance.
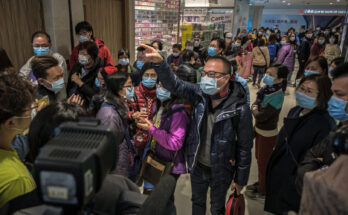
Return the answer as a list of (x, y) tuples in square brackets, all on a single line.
[(258, 58), (332, 52)]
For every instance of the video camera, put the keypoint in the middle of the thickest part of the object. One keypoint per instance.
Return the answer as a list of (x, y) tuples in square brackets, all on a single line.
[(71, 168), (339, 140)]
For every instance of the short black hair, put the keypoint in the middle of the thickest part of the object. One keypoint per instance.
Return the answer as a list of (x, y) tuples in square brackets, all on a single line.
[(340, 71), (220, 42), (260, 42), (41, 63), (227, 64), (83, 26), (146, 66), (41, 33), (42, 128), (159, 42), (5, 61), (324, 87), (91, 47), (122, 52), (337, 61), (187, 55), (178, 46), (188, 42)]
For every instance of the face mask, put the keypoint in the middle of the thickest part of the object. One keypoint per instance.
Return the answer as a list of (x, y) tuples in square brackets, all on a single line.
[(129, 93), (22, 130), (211, 51), (330, 70), (332, 41), (326, 32), (268, 80), (83, 59), (292, 38), (309, 35), (242, 35), (305, 101), (140, 64), (83, 38), (321, 42), (276, 31), (162, 94), (260, 33), (254, 32), (57, 85), (149, 82), (236, 45), (282, 42), (318, 29), (337, 108), (97, 83), (124, 61), (310, 72), (189, 48), (209, 85), (196, 43), (41, 50), (228, 40), (176, 54), (333, 31)]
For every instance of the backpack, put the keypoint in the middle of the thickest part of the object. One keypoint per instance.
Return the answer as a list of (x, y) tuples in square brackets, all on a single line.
[(272, 51), (235, 204)]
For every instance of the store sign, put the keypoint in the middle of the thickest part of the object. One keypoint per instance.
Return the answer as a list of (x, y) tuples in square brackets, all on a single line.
[(225, 18), (323, 12), (280, 21)]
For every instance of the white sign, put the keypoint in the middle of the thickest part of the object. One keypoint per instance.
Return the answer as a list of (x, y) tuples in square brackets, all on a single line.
[(222, 19)]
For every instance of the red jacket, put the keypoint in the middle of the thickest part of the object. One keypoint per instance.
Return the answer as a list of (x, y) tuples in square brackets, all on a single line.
[(103, 53), (144, 99)]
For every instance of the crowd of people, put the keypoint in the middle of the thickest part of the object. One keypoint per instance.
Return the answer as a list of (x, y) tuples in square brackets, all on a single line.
[(190, 110)]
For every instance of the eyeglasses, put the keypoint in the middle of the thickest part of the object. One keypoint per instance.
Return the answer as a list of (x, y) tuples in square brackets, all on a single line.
[(150, 75), (213, 74)]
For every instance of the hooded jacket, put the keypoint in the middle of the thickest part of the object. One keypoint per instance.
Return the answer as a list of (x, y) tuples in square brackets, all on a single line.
[(286, 56), (222, 140)]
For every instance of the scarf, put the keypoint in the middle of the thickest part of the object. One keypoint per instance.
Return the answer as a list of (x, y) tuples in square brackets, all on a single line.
[(265, 90)]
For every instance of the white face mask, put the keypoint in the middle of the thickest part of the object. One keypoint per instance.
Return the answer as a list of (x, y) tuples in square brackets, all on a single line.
[(228, 40), (83, 38), (83, 59)]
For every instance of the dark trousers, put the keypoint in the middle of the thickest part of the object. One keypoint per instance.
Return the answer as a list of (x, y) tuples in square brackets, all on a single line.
[(201, 180), (258, 71), (301, 69)]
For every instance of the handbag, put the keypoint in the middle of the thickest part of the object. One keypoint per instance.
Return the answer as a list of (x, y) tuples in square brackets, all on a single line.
[(235, 204), (153, 167)]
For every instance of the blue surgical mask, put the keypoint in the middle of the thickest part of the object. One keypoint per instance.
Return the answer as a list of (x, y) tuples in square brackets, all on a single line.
[(211, 51), (124, 61), (310, 72), (149, 82), (97, 83), (196, 43), (129, 93), (57, 85), (337, 108), (162, 94), (83, 38), (41, 50), (236, 45), (332, 41), (83, 59), (330, 70), (242, 35), (209, 85), (260, 33), (305, 101), (268, 80), (283, 42), (321, 42), (176, 54), (139, 64), (189, 48)]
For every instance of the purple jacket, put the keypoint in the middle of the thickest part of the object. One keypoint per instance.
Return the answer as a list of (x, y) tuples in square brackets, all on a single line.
[(286, 56), (170, 137), (109, 117)]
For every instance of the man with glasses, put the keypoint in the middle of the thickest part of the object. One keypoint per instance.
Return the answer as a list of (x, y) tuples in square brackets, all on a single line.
[(41, 42), (220, 138)]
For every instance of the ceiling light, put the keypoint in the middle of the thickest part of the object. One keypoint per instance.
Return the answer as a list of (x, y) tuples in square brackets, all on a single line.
[(338, 0), (331, 3), (289, 3), (284, 1), (250, 4)]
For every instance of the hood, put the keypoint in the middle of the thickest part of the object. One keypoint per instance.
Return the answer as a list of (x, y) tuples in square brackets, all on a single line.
[(99, 42)]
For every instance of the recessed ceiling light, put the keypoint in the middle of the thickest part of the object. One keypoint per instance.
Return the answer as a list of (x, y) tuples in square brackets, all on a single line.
[(289, 3), (331, 3), (338, 0), (284, 1), (250, 4)]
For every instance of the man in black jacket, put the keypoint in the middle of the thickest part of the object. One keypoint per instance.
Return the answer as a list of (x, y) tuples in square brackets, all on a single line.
[(303, 52), (323, 154)]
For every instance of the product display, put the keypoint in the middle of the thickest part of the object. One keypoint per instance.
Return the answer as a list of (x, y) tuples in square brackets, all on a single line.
[(156, 19)]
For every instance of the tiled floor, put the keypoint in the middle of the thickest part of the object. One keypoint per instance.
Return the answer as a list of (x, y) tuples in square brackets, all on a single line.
[(253, 207)]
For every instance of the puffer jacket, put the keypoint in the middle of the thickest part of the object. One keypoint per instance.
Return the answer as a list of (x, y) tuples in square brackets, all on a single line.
[(109, 117), (223, 140), (170, 137), (103, 53), (286, 56), (143, 99)]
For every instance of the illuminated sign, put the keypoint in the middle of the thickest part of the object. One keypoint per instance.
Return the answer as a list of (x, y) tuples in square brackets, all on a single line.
[(323, 12)]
